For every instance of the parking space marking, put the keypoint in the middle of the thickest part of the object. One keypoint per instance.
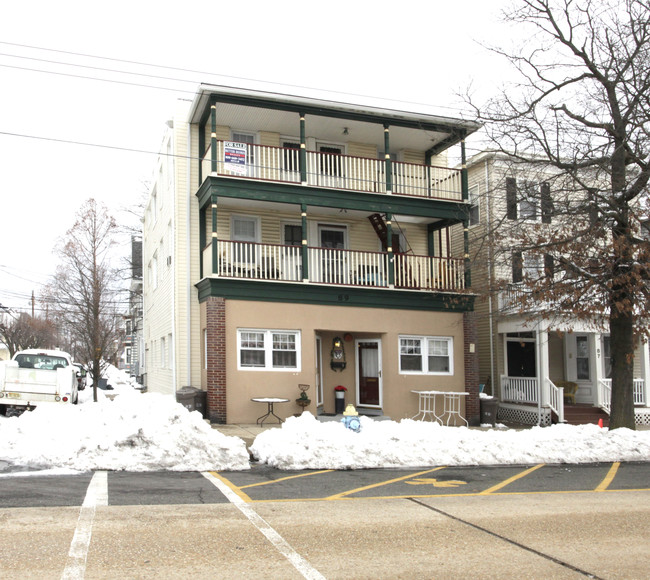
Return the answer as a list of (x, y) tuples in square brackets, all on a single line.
[(611, 474), (508, 481), (235, 489), (280, 544), (96, 495), (344, 494), (285, 478)]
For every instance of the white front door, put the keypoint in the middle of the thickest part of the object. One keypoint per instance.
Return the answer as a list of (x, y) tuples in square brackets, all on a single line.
[(580, 366)]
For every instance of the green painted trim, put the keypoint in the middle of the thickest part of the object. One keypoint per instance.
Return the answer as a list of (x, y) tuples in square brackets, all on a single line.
[(452, 212), (302, 293)]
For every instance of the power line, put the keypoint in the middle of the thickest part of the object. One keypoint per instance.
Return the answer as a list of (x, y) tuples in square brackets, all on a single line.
[(211, 74)]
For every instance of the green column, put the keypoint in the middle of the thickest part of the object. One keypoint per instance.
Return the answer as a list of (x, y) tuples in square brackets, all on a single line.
[(213, 138), (303, 150), (468, 275), (215, 238), (304, 248), (389, 249), (463, 172), (387, 162)]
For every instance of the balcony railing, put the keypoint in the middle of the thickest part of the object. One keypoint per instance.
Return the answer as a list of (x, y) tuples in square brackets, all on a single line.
[(255, 261), (333, 171)]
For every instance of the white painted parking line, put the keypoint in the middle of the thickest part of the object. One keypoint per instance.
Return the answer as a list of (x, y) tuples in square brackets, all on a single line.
[(280, 544), (96, 495)]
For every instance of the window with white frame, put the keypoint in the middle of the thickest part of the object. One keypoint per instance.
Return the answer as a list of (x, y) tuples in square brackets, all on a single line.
[(426, 355), (163, 352), (270, 350)]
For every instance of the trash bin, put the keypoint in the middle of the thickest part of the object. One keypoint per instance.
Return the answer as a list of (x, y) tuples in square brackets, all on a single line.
[(193, 399), (489, 410)]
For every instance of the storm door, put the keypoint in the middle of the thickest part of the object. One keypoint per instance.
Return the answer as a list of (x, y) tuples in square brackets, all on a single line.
[(369, 382)]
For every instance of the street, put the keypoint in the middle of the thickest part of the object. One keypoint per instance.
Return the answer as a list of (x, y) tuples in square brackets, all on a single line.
[(543, 521)]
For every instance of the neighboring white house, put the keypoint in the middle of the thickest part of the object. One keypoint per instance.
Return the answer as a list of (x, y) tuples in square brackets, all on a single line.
[(524, 358)]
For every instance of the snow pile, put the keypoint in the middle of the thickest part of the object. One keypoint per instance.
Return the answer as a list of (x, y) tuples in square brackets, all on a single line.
[(132, 431), (305, 443)]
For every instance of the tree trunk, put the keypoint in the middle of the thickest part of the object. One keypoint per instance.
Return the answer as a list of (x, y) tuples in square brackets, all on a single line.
[(622, 354)]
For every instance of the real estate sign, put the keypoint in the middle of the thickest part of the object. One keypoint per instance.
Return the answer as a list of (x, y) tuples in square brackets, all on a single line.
[(235, 157)]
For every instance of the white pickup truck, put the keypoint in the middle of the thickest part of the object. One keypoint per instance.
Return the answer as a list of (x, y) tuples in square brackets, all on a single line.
[(36, 376)]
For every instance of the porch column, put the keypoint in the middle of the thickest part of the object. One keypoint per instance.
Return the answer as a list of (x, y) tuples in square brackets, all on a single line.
[(304, 249), (213, 138), (303, 151), (599, 366), (542, 366), (389, 250), (215, 237), (387, 162), (464, 185), (644, 373)]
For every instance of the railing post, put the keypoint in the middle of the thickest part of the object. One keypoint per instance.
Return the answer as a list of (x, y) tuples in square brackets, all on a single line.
[(213, 138), (215, 238), (304, 248), (387, 161), (302, 156)]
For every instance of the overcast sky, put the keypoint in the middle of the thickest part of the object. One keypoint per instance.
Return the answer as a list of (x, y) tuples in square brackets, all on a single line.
[(66, 135)]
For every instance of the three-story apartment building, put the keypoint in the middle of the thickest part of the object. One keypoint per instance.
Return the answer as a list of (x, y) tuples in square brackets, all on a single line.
[(297, 241)]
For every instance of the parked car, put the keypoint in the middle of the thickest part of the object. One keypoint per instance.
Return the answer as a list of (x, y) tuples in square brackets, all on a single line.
[(82, 376)]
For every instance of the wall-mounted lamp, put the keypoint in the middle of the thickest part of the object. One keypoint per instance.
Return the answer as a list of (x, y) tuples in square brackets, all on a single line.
[(337, 361), (346, 131)]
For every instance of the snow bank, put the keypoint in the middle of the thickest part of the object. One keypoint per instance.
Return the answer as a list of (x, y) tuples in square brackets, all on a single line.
[(134, 432), (305, 443)]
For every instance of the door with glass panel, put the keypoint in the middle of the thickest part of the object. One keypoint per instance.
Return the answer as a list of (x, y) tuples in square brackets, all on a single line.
[(333, 263), (368, 363)]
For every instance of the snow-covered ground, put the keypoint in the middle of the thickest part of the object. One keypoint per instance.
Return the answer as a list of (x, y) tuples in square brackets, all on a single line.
[(127, 430)]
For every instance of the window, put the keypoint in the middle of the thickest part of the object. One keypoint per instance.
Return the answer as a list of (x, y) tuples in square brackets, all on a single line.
[(244, 229), (268, 350), (163, 352), (526, 200), (426, 355), (582, 357), (473, 205), (607, 357)]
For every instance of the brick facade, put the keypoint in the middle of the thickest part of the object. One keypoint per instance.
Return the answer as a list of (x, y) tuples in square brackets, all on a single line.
[(216, 363), (472, 402)]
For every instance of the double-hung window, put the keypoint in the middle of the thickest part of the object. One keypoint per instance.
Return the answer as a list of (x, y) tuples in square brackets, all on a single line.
[(426, 355), (268, 350)]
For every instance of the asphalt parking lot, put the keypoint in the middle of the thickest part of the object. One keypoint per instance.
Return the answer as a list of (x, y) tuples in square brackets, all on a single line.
[(263, 483)]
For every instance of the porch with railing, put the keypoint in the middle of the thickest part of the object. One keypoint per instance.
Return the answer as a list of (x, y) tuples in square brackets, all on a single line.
[(257, 261), (333, 171), (525, 391), (605, 394)]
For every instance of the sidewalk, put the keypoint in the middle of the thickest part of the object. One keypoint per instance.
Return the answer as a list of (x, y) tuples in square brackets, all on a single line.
[(246, 432)]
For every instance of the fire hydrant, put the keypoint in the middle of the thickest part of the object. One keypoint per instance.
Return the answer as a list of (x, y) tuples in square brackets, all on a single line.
[(351, 418)]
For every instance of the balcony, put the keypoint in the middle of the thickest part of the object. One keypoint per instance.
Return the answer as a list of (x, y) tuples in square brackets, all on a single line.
[(327, 170), (271, 262)]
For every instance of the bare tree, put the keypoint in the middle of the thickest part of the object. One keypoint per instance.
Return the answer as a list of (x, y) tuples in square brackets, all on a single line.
[(581, 115), (21, 331), (84, 292)]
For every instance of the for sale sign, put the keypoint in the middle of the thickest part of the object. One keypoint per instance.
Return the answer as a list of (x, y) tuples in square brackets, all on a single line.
[(235, 157)]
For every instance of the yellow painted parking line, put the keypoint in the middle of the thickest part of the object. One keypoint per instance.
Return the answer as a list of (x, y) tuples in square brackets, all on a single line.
[(604, 484), (381, 483), (286, 478), (508, 481), (232, 486)]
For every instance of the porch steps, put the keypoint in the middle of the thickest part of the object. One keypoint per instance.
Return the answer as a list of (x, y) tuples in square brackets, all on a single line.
[(584, 414)]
